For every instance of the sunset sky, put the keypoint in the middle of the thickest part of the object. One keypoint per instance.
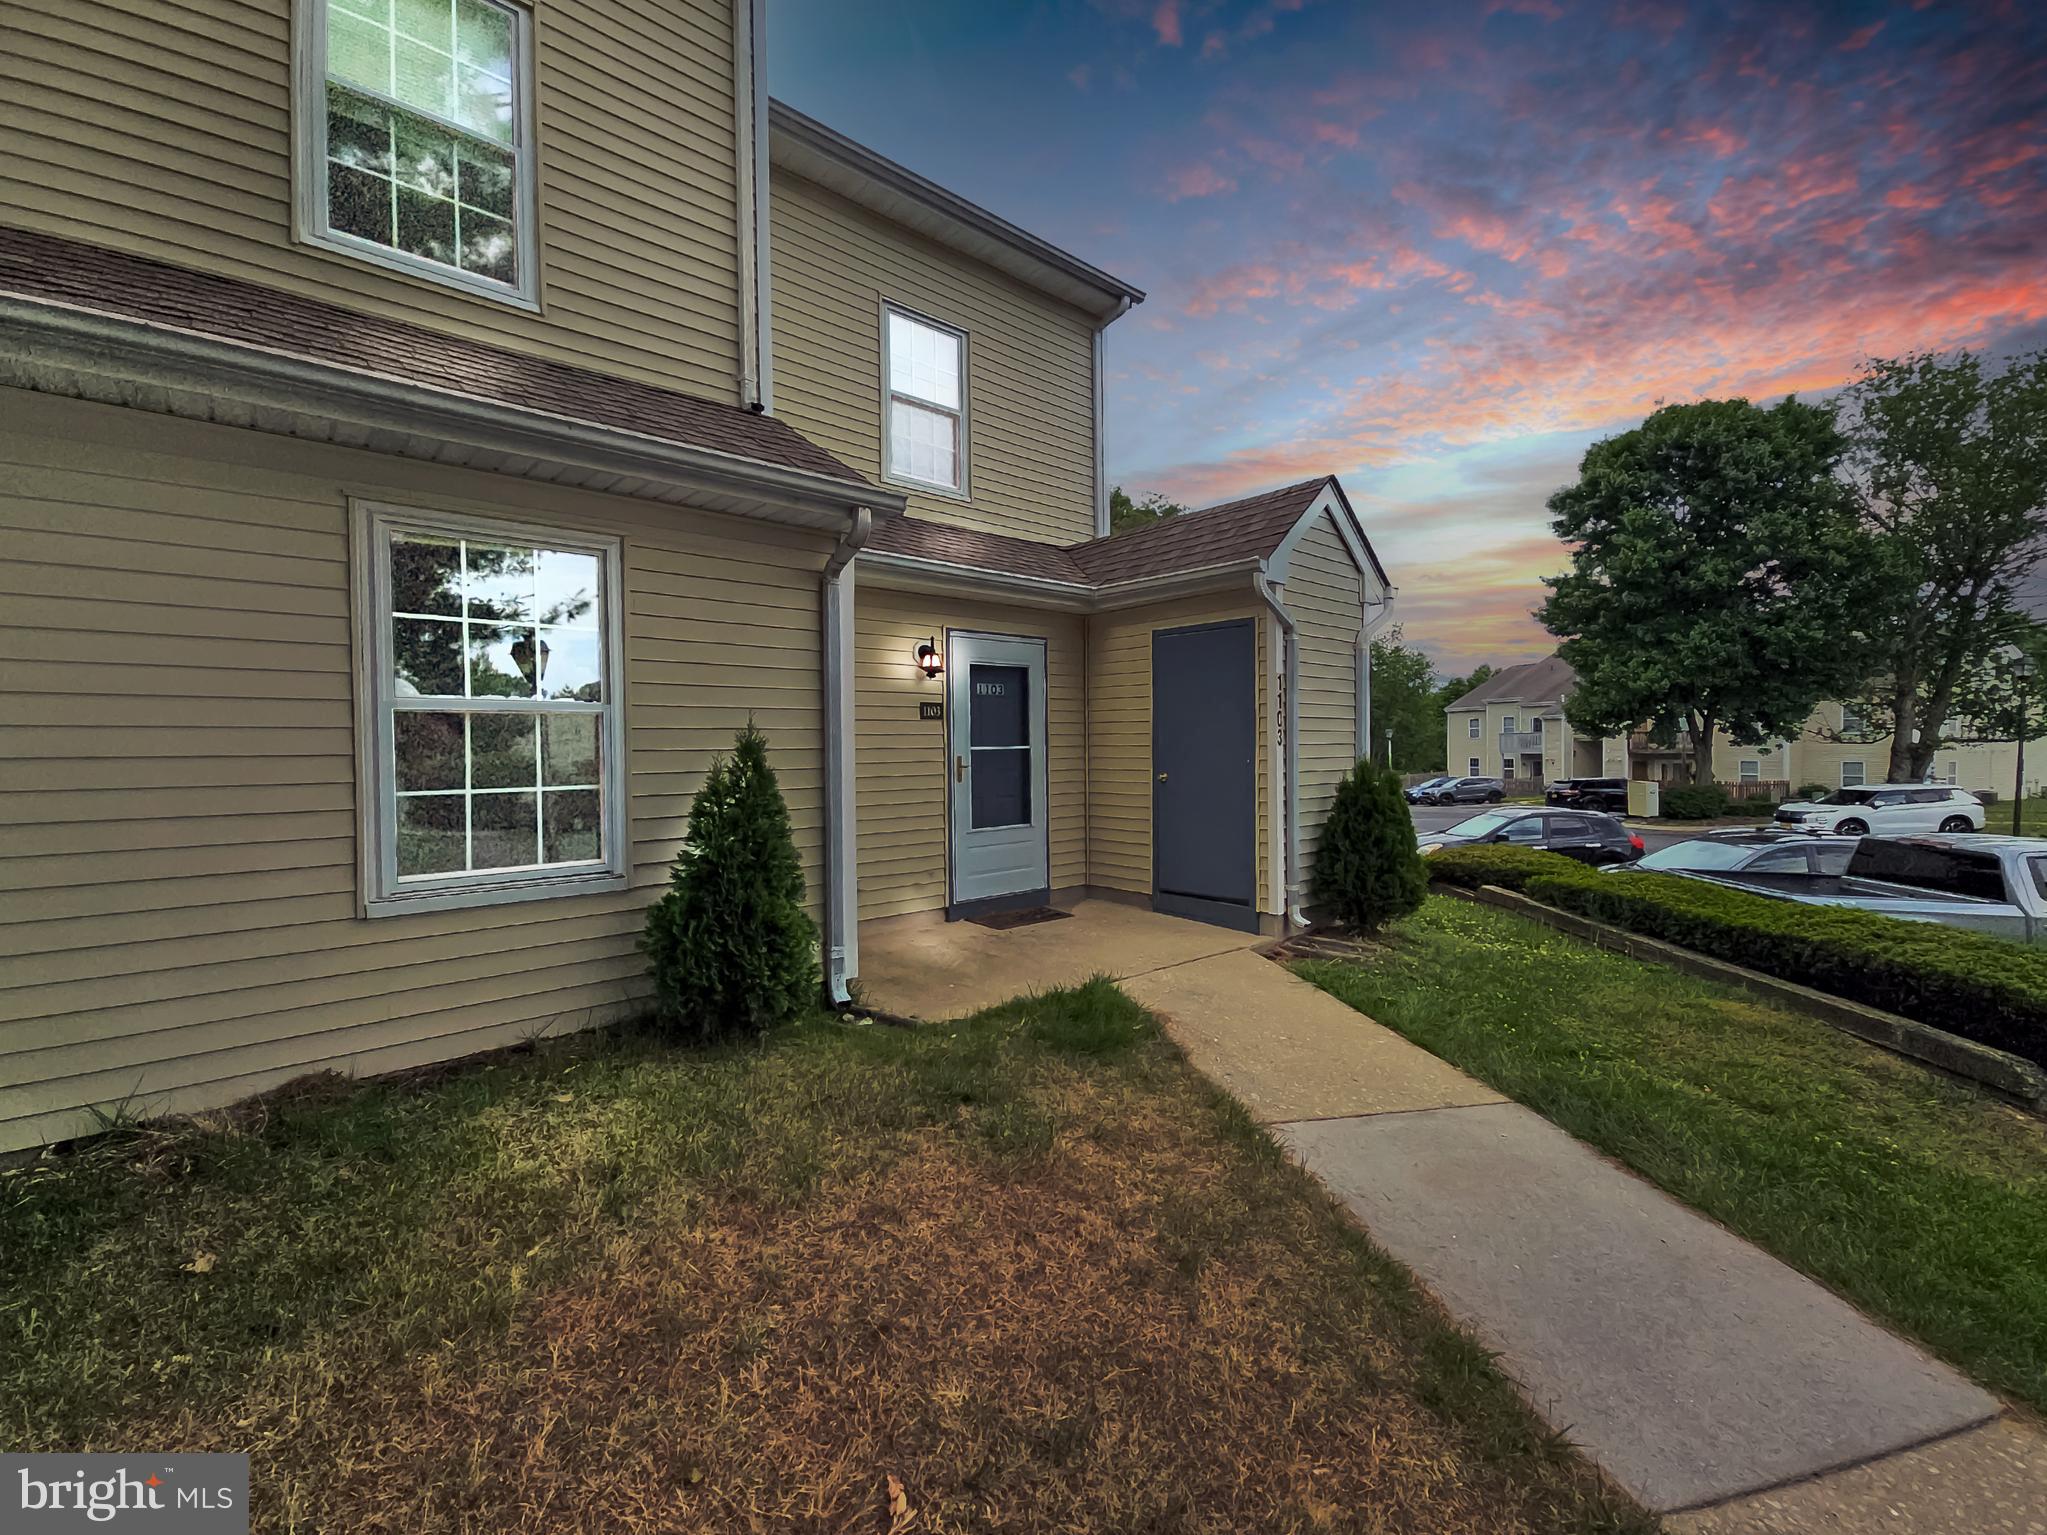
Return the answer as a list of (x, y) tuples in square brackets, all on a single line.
[(1439, 248)]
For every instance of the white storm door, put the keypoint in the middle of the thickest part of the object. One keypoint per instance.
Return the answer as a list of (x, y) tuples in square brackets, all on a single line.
[(996, 728)]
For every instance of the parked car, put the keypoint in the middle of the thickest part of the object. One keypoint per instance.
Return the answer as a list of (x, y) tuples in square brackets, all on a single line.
[(1887, 810), (1588, 793), (1995, 885), (1586, 835), (1418, 794), (1467, 791), (1784, 856)]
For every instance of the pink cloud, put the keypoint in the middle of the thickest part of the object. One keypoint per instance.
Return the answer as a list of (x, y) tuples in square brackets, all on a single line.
[(1861, 37), (1165, 22), (1197, 180)]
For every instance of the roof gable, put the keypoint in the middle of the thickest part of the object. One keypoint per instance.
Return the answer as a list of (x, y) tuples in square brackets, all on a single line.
[(1548, 681)]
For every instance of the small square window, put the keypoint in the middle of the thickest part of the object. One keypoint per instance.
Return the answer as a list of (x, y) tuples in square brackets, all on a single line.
[(924, 385), (491, 697), (415, 141), (1852, 775), (1751, 771)]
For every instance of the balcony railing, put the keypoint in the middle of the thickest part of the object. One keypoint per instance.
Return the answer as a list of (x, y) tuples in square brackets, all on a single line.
[(1680, 745), (1515, 742)]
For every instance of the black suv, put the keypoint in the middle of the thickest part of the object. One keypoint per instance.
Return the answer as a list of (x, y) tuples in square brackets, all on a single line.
[(1467, 791), (1588, 793)]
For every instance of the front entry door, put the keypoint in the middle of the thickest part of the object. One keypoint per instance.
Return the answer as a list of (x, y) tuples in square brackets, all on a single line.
[(996, 729), (1204, 748)]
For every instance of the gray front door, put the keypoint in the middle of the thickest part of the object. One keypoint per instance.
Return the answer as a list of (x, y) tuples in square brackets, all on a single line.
[(996, 721), (1204, 751)]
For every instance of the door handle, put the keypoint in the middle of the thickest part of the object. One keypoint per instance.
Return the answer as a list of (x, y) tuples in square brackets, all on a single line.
[(959, 770), (1162, 778)]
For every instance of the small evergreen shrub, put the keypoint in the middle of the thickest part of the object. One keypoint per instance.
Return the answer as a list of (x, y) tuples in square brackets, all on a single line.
[(1694, 802), (1367, 871), (1812, 791), (731, 948)]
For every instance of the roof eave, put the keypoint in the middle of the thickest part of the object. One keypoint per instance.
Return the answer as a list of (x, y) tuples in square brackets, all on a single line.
[(828, 157), (300, 397), (910, 572)]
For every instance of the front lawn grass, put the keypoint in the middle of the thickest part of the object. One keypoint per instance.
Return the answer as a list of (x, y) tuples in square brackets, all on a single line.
[(1918, 1197), (1031, 1267)]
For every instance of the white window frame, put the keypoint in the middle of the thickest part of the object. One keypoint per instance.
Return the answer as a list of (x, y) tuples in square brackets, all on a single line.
[(1510, 725), (1473, 763), (889, 472), (1861, 778), (1751, 770), (309, 165), (1475, 724), (372, 524), (1853, 724)]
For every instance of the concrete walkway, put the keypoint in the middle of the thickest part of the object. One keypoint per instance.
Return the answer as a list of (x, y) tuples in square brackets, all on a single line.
[(1698, 1371), (1711, 1381)]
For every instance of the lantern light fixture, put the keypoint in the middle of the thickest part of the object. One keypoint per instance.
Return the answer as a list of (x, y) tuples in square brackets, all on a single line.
[(929, 662)]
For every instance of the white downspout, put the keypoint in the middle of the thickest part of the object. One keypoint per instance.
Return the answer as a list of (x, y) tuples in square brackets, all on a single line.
[(1101, 442), (841, 848), (1376, 616), (750, 116), (1290, 748)]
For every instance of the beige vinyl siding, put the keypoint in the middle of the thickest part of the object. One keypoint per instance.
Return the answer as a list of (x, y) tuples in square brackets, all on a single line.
[(178, 902), (1030, 362), (900, 762), (1325, 592), (163, 128), (1119, 737)]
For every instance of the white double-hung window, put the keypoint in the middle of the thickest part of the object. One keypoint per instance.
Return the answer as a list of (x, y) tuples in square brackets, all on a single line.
[(924, 389), (415, 138), (491, 737)]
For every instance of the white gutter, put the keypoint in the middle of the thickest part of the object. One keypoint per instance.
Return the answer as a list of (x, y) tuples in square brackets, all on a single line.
[(919, 573), (1290, 748), (36, 335), (763, 178), (1101, 442), (841, 847), (1368, 630), (745, 146)]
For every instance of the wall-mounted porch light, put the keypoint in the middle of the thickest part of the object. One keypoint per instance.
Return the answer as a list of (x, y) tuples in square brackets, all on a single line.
[(929, 662)]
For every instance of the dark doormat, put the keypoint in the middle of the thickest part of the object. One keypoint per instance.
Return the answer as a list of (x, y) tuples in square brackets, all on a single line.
[(1028, 916)]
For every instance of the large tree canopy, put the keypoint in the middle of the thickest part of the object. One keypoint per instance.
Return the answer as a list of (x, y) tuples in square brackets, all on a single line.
[(1407, 710), (1951, 466), (1714, 580), (1126, 514)]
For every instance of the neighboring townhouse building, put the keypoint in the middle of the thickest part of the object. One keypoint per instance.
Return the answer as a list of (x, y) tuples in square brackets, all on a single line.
[(1512, 725), (1836, 748), (429, 431)]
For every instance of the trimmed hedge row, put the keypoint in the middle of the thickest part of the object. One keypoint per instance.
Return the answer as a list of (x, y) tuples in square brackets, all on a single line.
[(1979, 987)]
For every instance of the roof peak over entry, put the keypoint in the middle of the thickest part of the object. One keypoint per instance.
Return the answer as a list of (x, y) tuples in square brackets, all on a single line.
[(1242, 534)]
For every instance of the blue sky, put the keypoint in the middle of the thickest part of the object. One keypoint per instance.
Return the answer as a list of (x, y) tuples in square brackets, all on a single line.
[(1438, 249)]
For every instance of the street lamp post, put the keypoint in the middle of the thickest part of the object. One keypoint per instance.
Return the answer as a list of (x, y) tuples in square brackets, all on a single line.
[(2022, 673)]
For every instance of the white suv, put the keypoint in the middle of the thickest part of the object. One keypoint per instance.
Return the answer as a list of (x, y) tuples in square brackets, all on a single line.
[(1888, 810)]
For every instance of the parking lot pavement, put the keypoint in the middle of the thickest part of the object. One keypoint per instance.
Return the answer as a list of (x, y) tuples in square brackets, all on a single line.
[(1443, 817)]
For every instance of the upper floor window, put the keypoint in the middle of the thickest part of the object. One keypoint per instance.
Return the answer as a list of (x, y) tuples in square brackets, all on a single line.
[(924, 372), (1852, 722), (416, 138), (1473, 722)]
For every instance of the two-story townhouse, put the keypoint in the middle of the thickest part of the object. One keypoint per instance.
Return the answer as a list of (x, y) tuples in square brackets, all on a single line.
[(1836, 748), (429, 430), (1512, 726)]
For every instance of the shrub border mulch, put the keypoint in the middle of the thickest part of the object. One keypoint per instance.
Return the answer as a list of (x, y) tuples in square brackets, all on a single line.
[(1980, 988)]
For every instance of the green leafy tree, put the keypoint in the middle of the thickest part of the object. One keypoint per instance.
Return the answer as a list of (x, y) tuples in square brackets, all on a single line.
[(1406, 706), (731, 947), (1714, 582), (1126, 514), (1951, 464), (1457, 687), (1367, 872)]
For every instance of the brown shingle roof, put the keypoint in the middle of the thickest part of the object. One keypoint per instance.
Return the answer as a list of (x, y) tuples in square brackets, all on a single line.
[(1534, 682), (53, 270), (1247, 529), (996, 552)]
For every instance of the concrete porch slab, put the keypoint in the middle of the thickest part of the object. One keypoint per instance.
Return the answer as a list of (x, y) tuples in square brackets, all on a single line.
[(1289, 1050), (932, 969), (1690, 1365)]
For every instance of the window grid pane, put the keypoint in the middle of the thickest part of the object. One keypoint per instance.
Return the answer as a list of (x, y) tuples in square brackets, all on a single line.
[(414, 180), (480, 788), (923, 444)]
